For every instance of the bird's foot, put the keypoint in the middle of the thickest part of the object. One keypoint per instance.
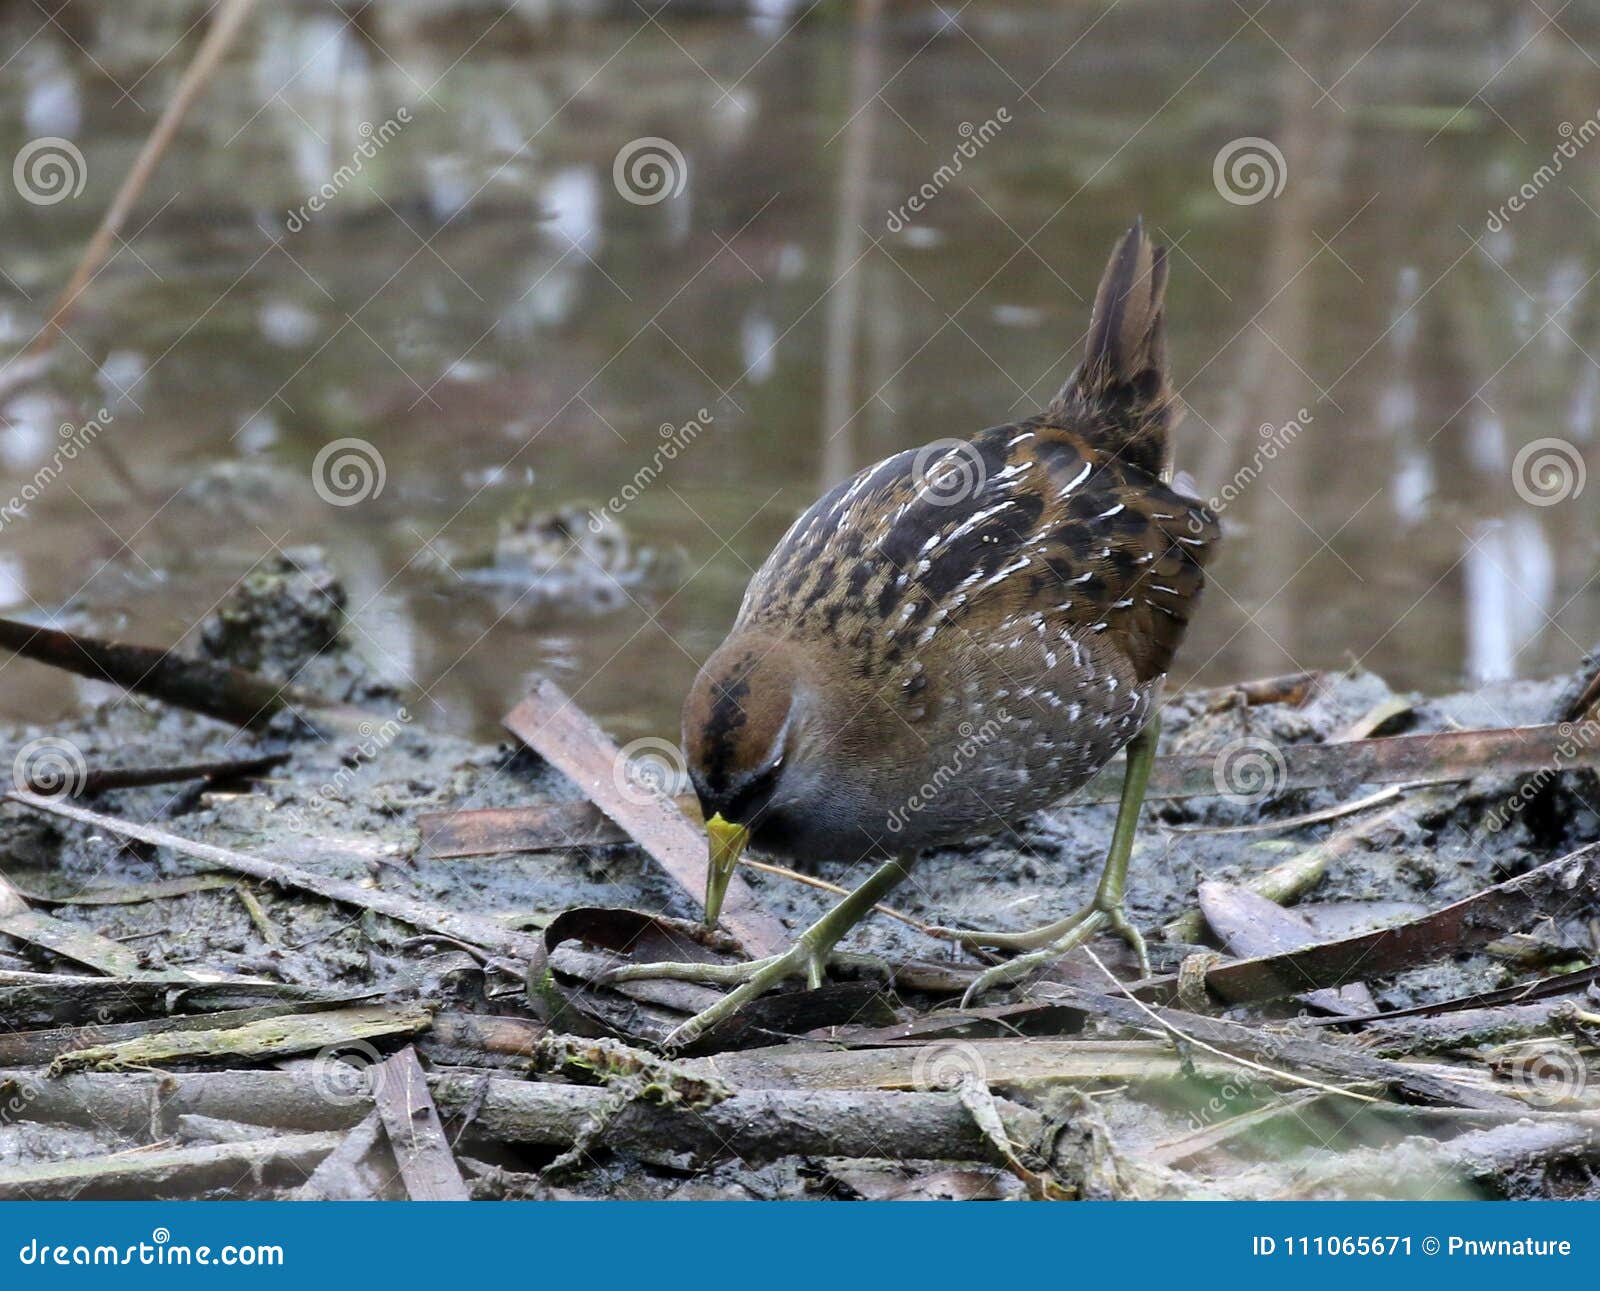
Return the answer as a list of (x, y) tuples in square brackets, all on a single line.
[(807, 958), (1047, 944)]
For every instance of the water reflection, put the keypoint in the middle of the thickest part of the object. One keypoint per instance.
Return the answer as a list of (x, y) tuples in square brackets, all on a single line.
[(481, 302)]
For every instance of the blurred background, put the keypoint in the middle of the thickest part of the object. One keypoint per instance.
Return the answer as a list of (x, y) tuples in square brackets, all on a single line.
[(688, 264)]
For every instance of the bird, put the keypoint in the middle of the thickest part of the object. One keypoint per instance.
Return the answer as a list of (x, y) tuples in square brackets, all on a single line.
[(953, 639)]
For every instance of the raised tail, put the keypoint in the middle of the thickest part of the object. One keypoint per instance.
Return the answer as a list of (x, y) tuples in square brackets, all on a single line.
[(1120, 398)]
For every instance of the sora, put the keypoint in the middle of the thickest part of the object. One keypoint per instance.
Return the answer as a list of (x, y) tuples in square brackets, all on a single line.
[(956, 637)]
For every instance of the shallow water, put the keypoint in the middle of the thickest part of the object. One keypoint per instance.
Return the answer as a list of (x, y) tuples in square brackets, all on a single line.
[(1365, 354)]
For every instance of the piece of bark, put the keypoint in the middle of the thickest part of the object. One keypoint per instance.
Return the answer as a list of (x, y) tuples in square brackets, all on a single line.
[(209, 1129), (1427, 757), (537, 827), (30, 1048), (415, 1135), (93, 782), (171, 1172), (69, 940), (466, 1039), (1251, 925), (1467, 924), (272, 1037), (1004, 1064), (344, 1174), (473, 929), (1291, 688), (549, 723), (135, 893)]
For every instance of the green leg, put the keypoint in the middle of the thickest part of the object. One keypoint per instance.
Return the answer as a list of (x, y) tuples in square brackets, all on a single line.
[(808, 957), (1048, 944)]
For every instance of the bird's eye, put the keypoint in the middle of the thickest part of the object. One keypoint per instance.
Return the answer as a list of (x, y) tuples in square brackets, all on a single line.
[(752, 795)]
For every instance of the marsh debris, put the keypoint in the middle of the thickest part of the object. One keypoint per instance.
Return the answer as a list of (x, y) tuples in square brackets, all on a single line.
[(370, 961)]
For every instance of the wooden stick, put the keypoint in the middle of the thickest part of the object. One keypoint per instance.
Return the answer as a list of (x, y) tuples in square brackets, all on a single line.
[(99, 781), (755, 1125), (412, 1122), (200, 70), (39, 1048), (549, 723), (336, 1179), (228, 694)]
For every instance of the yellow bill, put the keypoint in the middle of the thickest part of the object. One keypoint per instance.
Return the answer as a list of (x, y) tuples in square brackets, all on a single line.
[(727, 845)]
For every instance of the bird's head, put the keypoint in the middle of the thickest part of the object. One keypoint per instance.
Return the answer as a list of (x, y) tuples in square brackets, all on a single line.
[(750, 726)]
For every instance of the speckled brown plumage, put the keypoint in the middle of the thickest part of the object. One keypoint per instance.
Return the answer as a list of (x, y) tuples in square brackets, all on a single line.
[(963, 633)]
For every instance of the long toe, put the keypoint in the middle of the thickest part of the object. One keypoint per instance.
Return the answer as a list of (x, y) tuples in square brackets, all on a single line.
[(1020, 969)]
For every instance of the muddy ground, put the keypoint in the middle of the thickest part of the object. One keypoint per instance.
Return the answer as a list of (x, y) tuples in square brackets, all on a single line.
[(351, 809)]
